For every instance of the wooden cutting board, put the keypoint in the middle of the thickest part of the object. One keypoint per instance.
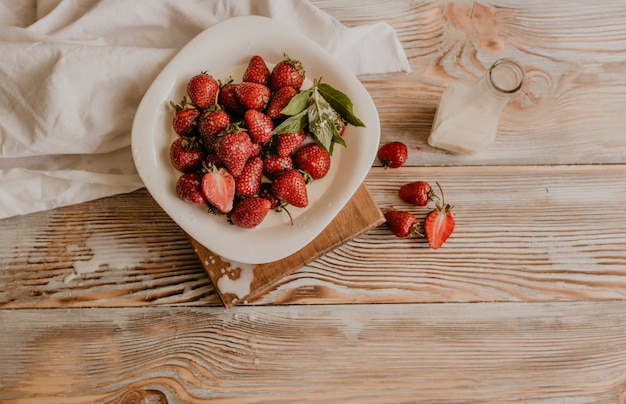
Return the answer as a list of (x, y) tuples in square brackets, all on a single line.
[(239, 283)]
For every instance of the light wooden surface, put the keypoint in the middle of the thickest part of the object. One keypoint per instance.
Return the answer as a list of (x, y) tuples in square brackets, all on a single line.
[(107, 302)]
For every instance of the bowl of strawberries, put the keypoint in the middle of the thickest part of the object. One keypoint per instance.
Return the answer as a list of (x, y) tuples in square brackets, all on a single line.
[(253, 145)]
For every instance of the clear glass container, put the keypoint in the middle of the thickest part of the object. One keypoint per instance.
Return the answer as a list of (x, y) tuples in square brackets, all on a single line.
[(466, 120)]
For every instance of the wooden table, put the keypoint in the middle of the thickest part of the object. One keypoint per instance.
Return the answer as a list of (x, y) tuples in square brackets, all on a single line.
[(526, 302)]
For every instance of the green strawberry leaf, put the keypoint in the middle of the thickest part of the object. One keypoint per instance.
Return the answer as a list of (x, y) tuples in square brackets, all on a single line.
[(340, 102), (298, 103), (294, 123), (321, 121)]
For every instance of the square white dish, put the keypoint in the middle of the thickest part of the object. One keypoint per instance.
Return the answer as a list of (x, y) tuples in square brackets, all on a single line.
[(222, 50)]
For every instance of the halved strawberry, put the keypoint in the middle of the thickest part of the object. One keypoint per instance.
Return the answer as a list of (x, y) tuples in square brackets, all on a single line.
[(439, 223), (218, 187), (250, 212)]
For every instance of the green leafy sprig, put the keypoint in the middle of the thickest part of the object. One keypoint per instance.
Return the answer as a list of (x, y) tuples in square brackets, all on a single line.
[(324, 110)]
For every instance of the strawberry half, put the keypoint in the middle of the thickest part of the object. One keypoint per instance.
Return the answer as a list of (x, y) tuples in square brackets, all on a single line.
[(250, 212), (218, 187), (439, 223)]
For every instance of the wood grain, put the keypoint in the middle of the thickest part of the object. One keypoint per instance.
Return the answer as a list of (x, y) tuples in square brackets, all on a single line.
[(444, 353)]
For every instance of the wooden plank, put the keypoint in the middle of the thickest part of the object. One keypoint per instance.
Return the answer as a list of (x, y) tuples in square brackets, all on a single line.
[(419, 353), (523, 233), (250, 282)]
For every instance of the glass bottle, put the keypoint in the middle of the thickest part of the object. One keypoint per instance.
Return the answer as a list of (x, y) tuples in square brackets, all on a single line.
[(467, 118)]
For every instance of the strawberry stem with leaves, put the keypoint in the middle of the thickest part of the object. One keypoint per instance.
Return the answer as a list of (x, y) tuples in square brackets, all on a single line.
[(323, 109)]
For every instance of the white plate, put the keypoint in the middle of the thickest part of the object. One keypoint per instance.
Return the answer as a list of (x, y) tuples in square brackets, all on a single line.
[(220, 50)]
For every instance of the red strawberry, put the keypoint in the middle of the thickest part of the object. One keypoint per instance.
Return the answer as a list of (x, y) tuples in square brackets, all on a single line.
[(186, 154), (249, 182), (274, 165), (439, 223), (228, 99), (287, 73), (290, 187), (250, 212), (212, 122), (393, 154), (256, 149), (202, 89), (260, 126), (211, 160), (218, 187), (313, 159), (279, 101), (417, 193), (257, 71), (188, 188), (234, 149), (402, 224), (185, 117), (252, 95), (287, 143)]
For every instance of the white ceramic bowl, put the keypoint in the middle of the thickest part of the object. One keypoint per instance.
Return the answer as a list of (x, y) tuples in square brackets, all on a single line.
[(222, 50)]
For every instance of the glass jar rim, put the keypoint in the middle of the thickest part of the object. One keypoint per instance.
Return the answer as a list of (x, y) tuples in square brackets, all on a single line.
[(517, 69)]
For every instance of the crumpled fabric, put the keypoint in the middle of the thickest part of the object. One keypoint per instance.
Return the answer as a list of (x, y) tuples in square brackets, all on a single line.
[(73, 72)]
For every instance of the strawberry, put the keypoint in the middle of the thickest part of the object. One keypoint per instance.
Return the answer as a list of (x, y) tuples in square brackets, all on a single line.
[(439, 223), (257, 71), (185, 117), (260, 126), (186, 154), (228, 100), (249, 182), (202, 90), (274, 165), (313, 159), (418, 193), (266, 192), (393, 154), (218, 188), (279, 101), (402, 224), (234, 148), (287, 143), (290, 187), (252, 95), (250, 212), (287, 73), (212, 122), (188, 188)]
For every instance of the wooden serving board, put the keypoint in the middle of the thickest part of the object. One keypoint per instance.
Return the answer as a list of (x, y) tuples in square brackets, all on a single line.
[(246, 283)]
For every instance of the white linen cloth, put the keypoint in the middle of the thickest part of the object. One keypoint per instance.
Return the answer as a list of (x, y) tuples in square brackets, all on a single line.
[(72, 73)]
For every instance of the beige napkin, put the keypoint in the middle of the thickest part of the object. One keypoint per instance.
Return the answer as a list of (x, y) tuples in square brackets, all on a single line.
[(72, 73)]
